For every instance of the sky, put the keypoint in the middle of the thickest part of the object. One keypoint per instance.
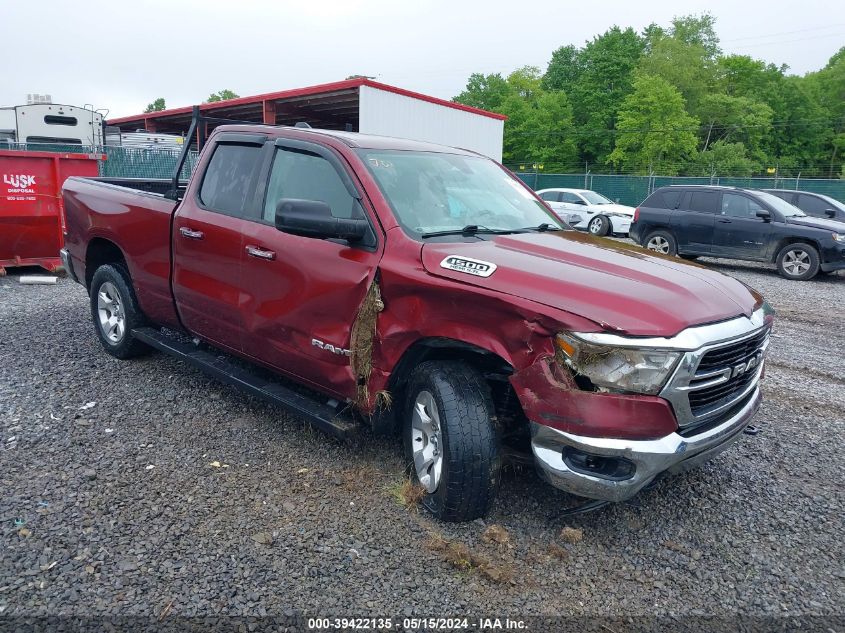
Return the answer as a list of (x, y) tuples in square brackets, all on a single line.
[(120, 56)]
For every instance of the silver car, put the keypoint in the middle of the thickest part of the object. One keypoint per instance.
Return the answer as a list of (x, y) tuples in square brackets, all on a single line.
[(589, 211)]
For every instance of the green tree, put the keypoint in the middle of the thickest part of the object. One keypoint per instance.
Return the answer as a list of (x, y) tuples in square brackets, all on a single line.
[(596, 78), (223, 95), (487, 92), (735, 119), (156, 106), (684, 55), (654, 130), (722, 157)]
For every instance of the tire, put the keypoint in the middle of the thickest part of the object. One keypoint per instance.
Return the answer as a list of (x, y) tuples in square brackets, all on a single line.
[(462, 446), (798, 261), (599, 226), (115, 312), (661, 242)]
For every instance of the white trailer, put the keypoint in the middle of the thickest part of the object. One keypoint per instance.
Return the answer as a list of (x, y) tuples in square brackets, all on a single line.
[(51, 123)]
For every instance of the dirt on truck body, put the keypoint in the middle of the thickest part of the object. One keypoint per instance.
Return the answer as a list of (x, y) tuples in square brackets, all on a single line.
[(430, 292)]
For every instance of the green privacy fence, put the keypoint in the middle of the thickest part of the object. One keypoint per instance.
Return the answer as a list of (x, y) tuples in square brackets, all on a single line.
[(632, 190), (122, 162)]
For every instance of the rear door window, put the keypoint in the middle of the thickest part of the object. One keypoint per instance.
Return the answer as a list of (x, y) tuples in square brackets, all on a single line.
[(704, 202), (229, 178)]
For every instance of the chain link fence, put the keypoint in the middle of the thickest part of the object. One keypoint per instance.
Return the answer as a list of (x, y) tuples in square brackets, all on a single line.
[(121, 162), (632, 190)]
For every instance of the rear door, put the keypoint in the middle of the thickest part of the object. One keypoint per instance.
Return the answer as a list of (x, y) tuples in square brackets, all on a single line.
[(738, 231), (302, 295), (693, 229), (208, 241)]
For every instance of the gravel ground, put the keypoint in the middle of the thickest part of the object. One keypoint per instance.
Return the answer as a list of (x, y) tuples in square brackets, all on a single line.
[(145, 488)]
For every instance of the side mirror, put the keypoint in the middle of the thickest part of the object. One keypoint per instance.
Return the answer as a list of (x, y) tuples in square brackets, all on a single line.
[(830, 213), (764, 215), (313, 218)]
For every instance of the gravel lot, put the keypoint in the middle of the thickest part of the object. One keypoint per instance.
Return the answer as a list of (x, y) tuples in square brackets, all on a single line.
[(172, 494)]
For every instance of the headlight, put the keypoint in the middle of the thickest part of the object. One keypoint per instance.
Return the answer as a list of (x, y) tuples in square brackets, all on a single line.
[(632, 369), (839, 237)]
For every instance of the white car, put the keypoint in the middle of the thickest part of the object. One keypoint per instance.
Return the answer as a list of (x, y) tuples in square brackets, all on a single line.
[(589, 211)]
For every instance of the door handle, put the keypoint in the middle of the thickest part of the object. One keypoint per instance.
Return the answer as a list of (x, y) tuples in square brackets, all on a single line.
[(254, 251), (724, 220), (191, 234)]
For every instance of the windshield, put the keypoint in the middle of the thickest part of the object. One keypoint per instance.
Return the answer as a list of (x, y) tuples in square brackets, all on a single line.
[(780, 205), (432, 192), (595, 198)]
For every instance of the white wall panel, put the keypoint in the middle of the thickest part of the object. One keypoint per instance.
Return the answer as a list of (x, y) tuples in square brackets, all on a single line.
[(391, 114)]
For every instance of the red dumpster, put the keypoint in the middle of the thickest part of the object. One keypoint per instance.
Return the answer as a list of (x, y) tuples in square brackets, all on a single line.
[(31, 210)]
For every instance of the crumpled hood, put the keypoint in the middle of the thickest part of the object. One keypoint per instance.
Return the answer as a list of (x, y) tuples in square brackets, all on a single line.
[(834, 226), (613, 208), (619, 286)]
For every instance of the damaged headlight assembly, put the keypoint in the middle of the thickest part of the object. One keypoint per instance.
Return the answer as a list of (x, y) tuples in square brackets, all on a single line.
[(615, 369)]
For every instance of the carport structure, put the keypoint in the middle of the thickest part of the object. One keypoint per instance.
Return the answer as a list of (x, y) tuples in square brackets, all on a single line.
[(356, 105)]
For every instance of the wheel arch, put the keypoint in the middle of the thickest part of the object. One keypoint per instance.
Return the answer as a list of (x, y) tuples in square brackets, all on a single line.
[(101, 251), (786, 241)]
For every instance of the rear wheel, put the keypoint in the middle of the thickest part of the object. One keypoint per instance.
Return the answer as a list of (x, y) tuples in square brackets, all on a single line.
[(798, 261), (662, 242), (599, 225), (450, 440), (115, 312)]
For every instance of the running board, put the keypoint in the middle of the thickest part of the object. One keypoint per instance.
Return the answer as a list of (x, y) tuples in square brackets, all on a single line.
[(319, 414)]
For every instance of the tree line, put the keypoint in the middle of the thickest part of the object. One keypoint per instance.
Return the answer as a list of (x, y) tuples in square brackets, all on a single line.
[(668, 101), (159, 104)]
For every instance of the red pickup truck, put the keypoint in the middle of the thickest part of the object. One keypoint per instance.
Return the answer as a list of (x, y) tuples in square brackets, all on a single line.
[(423, 290)]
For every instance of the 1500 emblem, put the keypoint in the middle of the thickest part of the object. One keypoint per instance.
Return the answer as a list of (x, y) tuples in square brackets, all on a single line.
[(331, 348), (468, 265)]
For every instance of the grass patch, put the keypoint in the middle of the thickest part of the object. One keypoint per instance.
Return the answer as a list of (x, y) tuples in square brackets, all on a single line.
[(463, 558), (407, 493)]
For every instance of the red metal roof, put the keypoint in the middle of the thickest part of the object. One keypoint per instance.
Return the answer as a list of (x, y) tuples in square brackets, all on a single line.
[(301, 92)]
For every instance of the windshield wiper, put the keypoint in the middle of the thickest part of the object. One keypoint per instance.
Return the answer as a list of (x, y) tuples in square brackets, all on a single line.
[(471, 229), (542, 228)]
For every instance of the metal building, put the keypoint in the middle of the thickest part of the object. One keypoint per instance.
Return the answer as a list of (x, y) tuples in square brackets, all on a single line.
[(358, 105)]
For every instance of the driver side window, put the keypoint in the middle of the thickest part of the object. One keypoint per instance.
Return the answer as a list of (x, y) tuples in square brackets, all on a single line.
[(305, 176), (737, 206), (571, 198)]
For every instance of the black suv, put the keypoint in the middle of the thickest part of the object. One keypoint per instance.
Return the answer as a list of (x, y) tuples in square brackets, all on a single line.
[(817, 205), (735, 223)]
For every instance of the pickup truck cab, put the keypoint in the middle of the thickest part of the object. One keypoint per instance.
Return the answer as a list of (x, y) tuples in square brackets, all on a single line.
[(428, 292), (735, 223)]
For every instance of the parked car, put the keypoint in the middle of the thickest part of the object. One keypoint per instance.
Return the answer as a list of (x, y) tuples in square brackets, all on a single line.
[(589, 211), (735, 223), (424, 290), (816, 205)]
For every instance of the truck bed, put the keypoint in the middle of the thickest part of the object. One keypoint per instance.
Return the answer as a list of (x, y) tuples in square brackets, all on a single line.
[(138, 221)]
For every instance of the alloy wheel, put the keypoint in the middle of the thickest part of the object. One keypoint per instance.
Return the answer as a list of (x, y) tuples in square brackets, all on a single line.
[(110, 312), (796, 262), (659, 244), (427, 441)]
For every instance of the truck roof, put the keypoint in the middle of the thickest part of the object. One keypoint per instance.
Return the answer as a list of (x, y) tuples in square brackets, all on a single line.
[(351, 139)]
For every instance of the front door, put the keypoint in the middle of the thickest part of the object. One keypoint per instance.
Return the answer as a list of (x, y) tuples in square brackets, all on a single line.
[(738, 231), (303, 294), (208, 243)]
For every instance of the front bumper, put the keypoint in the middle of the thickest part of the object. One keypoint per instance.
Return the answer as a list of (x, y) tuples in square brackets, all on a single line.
[(670, 454)]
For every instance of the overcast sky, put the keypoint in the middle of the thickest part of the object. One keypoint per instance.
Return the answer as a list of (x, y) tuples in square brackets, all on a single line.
[(122, 55)]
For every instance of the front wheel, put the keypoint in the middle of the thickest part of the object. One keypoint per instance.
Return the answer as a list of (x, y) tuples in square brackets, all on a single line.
[(115, 311), (450, 440), (798, 261), (662, 242), (599, 225)]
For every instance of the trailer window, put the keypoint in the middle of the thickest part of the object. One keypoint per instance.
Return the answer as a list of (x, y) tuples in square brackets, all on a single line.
[(55, 119), (228, 178)]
